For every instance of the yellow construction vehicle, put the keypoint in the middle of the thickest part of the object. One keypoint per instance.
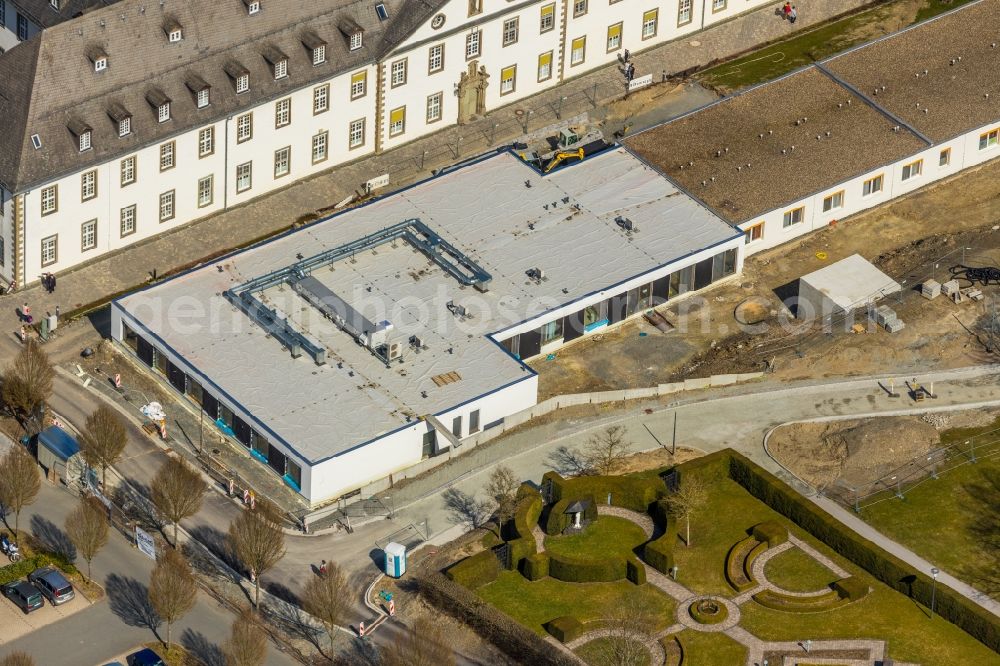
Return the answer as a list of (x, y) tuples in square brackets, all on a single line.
[(561, 156)]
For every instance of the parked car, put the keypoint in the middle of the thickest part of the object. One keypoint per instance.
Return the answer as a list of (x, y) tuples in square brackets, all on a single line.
[(144, 657), (52, 584), (24, 595)]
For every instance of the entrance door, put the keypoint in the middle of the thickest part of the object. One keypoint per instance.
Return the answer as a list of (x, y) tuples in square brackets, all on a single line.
[(430, 443)]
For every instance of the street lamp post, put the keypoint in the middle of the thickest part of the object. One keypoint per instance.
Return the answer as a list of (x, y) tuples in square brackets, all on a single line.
[(934, 575)]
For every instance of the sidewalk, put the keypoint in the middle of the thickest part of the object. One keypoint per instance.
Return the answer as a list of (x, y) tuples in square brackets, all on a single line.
[(412, 162)]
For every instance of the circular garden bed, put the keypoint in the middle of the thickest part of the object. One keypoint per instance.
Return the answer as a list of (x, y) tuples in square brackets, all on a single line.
[(708, 611)]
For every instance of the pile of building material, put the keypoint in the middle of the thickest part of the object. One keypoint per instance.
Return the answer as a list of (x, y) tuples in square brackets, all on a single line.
[(930, 289), (887, 318)]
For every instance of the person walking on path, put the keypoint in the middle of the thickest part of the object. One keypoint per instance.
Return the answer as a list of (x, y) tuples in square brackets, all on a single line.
[(786, 10), (792, 15), (26, 313), (322, 568)]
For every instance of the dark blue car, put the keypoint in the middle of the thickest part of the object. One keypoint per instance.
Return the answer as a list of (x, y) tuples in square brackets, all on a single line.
[(144, 657)]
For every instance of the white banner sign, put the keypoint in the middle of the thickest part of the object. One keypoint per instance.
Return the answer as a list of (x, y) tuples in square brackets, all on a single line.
[(376, 183), (144, 541), (640, 82)]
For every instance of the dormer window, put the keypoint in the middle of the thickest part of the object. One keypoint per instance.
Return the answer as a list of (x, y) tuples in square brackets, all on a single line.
[(122, 119), (199, 88), (159, 101), (278, 62), (253, 6), (316, 47), (99, 58), (54, 4), (82, 132), (240, 76), (174, 31), (353, 32)]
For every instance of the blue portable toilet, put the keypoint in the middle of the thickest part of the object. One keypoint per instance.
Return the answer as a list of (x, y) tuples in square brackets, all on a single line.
[(395, 559)]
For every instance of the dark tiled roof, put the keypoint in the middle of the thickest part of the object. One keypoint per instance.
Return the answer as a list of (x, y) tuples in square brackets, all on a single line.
[(41, 12), (741, 148), (959, 52), (64, 87)]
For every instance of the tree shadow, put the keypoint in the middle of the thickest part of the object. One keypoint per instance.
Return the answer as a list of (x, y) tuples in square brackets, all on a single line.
[(52, 537), (294, 622), (202, 649), (568, 462), (128, 598), (984, 528), (465, 509), (281, 591), (217, 542), (135, 510)]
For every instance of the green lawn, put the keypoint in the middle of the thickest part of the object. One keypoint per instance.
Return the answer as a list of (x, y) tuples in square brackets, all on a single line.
[(705, 649), (606, 537), (795, 571), (808, 47), (593, 653), (533, 603)]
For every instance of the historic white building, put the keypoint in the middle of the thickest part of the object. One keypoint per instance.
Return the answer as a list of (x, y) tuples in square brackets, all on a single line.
[(125, 119)]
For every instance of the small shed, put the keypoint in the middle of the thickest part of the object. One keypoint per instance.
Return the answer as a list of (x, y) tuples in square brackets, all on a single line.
[(59, 454), (842, 287)]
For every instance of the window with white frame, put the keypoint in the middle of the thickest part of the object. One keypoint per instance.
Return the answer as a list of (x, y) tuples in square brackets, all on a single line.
[(397, 75), (282, 161), (175, 35), (163, 112), (283, 112), (126, 221), (579, 8), (545, 66), (472, 44), (792, 217), (578, 52), (242, 83), (244, 127), (435, 58), (280, 69), (547, 20), (319, 147), (206, 187), (167, 155), (359, 84), (397, 121), (128, 170), (321, 98), (356, 133), (100, 64), (253, 7), (201, 97), (989, 139), (718, 5), (244, 177), (614, 37), (434, 107), (833, 201), (754, 233), (356, 41), (872, 186), (50, 250), (50, 199), (167, 206), (508, 79), (88, 185), (683, 12), (319, 54), (650, 21), (913, 169), (125, 126), (944, 159), (206, 141), (84, 136), (88, 235), (510, 29)]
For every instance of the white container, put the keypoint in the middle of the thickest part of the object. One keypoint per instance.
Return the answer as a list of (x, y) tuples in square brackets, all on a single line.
[(395, 560)]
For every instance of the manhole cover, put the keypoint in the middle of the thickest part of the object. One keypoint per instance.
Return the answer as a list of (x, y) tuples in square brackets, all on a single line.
[(695, 42)]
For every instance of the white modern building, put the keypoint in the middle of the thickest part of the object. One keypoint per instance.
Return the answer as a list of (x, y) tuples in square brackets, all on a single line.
[(359, 345), (123, 120), (847, 134)]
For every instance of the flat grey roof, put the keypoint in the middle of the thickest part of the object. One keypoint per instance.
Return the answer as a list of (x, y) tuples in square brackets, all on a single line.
[(851, 281), (563, 224)]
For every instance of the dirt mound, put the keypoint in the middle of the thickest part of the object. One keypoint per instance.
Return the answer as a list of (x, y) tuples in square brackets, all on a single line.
[(854, 451)]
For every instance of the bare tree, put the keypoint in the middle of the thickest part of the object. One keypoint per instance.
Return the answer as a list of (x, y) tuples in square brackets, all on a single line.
[(172, 588), (606, 451), (103, 440), (18, 659), (257, 541), (501, 488), (19, 481), (27, 385), (466, 508), (422, 644), (247, 644), (327, 597), (87, 528), (177, 491), (624, 636), (688, 499)]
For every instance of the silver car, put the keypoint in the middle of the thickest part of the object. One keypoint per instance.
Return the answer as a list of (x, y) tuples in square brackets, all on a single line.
[(52, 584)]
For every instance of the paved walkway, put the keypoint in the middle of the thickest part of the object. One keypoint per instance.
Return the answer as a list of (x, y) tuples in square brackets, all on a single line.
[(212, 236)]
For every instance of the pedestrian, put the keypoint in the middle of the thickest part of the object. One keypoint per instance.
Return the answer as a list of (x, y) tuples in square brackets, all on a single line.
[(57, 317), (786, 10), (26, 313), (793, 14), (52, 283), (322, 568), (627, 55)]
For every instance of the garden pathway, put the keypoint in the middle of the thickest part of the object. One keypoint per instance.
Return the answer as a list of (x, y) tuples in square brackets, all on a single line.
[(763, 583), (641, 519), (818, 556)]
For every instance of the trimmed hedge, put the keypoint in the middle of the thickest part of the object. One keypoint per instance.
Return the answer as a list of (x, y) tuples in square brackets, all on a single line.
[(476, 570), (634, 571), (673, 649), (26, 565), (535, 567), (751, 556), (771, 532), (573, 570), (794, 604), (889, 569), (851, 588), (736, 574), (705, 618), (529, 508), (659, 553), (519, 643), (629, 492), (564, 629), (557, 520)]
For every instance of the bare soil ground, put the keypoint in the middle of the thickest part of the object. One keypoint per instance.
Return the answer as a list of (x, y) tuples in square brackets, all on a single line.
[(911, 239)]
